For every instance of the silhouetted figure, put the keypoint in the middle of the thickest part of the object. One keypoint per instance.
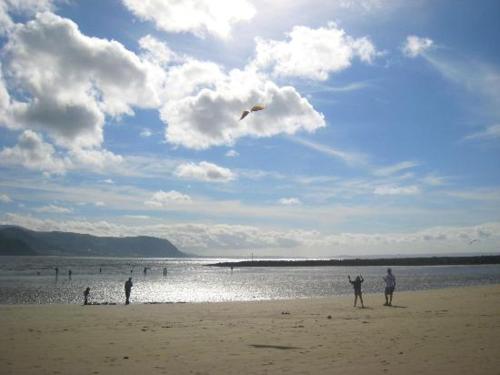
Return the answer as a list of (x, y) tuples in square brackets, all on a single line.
[(357, 289), (390, 285), (165, 271), (128, 289), (100, 269), (69, 274), (231, 269), (86, 293), (145, 271), (57, 271)]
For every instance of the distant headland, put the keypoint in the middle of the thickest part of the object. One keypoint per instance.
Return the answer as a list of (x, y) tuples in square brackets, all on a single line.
[(16, 240), (415, 261)]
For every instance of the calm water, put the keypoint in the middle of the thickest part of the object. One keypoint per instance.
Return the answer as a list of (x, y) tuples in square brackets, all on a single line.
[(32, 280)]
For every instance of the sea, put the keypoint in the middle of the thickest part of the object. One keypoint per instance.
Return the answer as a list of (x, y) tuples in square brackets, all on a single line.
[(33, 280)]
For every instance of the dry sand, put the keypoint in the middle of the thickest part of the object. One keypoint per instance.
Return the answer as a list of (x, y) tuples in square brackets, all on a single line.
[(449, 331)]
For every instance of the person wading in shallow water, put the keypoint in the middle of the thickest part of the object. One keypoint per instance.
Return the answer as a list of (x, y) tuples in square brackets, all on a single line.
[(357, 289), (390, 285), (86, 293), (128, 289)]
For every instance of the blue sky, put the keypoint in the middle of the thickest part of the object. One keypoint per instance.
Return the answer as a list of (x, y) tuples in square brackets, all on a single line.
[(381, 132)]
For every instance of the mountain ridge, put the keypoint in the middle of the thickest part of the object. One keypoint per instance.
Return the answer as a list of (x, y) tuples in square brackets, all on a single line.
[(16, 240)]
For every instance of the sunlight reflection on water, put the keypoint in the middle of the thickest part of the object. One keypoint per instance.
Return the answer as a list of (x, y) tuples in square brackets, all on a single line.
[(32, 280)]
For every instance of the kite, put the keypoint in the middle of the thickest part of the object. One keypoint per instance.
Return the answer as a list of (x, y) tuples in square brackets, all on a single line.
[(255, 108)]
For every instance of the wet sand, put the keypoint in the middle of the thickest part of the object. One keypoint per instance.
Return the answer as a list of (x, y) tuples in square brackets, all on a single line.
[(448, 331)]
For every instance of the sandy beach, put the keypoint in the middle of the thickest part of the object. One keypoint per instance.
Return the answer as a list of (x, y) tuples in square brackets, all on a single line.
[(448, 331)]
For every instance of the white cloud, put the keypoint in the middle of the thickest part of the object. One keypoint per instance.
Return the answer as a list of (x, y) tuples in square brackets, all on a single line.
[(108, 181), (393, 169), (489, 133), (190, 76), (289, 201), (157, 52), (53, 209), (99, 204), (209, 115), (4, 99), (232, 153), (71, 82), (415, 46), (137, 217), (4, 198), (20, 7), (97, 160), (204, 171), (313, 53), (396, 190), (201, 17), (165, 199), (33, 153)]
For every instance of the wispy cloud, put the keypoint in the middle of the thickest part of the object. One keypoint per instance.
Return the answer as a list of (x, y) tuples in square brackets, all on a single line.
[(477, 77), (232, 153), (53, 209), (489, 133), (145, 133), (316, 87), (347, 157), (483, 194), (396, 190), (4, 198), (393, 169), (164, 199), (415, 46), (289, 201)]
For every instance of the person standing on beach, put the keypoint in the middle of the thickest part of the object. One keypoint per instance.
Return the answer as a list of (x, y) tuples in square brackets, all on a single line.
[(69, 274), (357, 289), (86, 293), (390, 285), (128, 289)]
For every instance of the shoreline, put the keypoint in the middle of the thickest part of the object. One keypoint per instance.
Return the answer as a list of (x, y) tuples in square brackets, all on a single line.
[(451, 330), (334, 296)]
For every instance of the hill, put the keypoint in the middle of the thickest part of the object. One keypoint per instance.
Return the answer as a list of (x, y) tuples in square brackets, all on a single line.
[(20, 241)]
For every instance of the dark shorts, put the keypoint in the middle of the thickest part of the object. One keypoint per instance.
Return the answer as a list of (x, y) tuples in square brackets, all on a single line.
[(357, 292), (389, 290)]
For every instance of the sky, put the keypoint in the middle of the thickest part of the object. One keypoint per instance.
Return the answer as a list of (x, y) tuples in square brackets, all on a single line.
[(380, 133)]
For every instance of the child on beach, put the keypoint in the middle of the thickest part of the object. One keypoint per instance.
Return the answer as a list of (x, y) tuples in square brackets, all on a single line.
[(357, 289)]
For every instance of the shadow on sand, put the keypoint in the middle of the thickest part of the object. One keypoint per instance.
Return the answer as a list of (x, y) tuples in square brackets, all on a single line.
[(280, 347)]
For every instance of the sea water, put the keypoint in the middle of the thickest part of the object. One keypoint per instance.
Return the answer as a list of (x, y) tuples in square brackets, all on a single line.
[(32, 280)]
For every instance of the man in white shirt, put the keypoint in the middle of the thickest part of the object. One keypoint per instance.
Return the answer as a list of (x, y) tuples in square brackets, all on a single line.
[(390, 285)]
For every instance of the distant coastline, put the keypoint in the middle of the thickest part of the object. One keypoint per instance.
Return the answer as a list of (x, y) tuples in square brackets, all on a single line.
[(414, 261), (15, 240)]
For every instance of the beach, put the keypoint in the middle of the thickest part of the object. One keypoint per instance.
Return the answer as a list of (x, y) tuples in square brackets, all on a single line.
[(445, 331)]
